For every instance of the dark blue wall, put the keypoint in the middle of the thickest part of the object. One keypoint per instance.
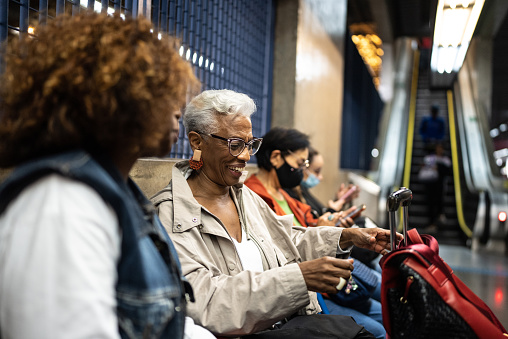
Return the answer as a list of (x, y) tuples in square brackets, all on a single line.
[(361, 112)]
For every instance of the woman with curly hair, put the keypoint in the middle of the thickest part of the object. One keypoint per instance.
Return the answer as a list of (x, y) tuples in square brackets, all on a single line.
[(82, 253)]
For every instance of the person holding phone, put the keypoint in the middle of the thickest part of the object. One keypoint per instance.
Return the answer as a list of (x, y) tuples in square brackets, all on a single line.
[(345, 194), (312, 176)]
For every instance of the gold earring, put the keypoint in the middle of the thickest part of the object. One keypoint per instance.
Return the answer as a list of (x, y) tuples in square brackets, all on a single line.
[(196, 162)]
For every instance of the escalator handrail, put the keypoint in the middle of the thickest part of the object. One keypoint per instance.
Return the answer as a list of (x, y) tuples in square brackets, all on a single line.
[(455, 167)]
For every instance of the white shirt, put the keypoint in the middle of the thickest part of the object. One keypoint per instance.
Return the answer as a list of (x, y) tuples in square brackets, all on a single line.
[(59, 245), (249, 254), (59, 249)]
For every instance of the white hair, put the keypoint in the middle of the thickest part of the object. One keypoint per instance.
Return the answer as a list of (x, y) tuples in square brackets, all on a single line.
[(202, 113)]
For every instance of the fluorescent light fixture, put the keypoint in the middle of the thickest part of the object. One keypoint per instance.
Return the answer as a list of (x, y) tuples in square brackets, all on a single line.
[(455, 24)]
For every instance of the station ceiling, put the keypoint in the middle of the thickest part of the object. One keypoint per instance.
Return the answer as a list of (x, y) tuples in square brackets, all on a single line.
[(390, 19)]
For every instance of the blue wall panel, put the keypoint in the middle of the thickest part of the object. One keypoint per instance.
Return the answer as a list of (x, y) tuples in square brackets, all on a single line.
[(361, 112)]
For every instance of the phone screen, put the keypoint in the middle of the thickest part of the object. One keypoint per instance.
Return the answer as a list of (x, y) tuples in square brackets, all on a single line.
[(354, 214)]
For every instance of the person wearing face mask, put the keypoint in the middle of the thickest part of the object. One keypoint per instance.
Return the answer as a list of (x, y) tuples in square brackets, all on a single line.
[(282, 160), (312, 177)]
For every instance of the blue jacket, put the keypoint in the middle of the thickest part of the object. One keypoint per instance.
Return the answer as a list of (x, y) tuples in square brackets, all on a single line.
[(151, 292), (432, 129)]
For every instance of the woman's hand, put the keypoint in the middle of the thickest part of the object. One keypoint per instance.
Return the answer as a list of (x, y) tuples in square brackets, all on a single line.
[(375, 239), (323, 275), (331, 219), (336, 205), (341, 197)]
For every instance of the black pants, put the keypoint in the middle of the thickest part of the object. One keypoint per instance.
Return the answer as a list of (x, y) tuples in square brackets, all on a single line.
[(435, 199), (322, 326)]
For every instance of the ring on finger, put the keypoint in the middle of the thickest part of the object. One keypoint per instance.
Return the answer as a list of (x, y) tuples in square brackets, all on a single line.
[(330, 217), (341, 284)]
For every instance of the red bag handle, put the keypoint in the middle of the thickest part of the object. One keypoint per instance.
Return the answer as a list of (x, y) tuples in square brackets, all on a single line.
[(413, 237)]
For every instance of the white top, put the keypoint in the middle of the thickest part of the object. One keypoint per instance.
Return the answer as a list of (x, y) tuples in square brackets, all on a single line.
[(433, 159), (249, 254), (59, 245), (59, 248)]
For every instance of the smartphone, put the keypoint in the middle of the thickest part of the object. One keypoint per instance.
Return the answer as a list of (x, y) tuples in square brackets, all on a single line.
[(356, 212), (348, 193), (353, 214)]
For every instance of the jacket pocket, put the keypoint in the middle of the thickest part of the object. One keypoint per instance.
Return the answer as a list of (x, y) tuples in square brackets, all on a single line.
[(147, 315)]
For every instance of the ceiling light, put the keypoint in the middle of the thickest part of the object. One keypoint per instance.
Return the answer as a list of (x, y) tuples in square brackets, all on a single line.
[(455, 24), (370, 48)]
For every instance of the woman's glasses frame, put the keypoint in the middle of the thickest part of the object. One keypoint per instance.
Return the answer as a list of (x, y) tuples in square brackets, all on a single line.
[(305, 162), (249, 145)]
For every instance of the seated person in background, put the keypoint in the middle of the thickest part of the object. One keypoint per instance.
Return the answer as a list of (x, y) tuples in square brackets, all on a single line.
[(270, 181), (282, 159), (249, 268), (312, 176), (82, 252)]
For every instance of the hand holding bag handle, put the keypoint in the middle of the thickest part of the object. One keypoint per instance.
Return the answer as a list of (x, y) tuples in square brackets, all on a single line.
[(402, 196)]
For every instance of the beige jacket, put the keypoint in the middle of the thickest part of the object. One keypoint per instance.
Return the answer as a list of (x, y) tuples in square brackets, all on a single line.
[(229, 300)]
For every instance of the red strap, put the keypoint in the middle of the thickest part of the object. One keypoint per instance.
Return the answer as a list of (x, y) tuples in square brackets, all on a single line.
[(413, 237)]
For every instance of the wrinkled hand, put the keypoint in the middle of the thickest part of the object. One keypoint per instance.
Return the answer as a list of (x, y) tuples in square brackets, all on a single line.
[(323, 275), (331, 219), (375, 239)]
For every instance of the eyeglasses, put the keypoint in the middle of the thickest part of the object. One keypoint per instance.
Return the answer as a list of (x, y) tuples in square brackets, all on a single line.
[(237, 145), (305, 162)]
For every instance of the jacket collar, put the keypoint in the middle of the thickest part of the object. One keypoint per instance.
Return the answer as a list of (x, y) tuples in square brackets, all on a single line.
[(188, 213), (186, 209)]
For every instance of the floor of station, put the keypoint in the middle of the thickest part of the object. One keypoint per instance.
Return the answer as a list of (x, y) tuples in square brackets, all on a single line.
[(485, 273)]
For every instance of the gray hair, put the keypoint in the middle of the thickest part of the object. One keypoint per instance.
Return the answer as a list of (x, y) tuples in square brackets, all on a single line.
[(202, 113)]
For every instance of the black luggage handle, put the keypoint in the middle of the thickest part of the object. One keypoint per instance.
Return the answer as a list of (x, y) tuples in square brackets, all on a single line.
[(402, 197)]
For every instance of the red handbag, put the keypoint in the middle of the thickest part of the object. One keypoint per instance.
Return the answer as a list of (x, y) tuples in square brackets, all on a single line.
[(420, 295)]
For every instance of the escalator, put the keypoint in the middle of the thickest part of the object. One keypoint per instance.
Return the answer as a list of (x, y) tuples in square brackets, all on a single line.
[(475, 194), (447, 229)]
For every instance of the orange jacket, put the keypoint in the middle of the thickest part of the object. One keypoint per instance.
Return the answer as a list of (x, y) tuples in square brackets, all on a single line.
[(302, 212)]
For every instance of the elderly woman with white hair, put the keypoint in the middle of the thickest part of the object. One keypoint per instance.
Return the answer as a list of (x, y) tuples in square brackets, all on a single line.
[(251, 270)]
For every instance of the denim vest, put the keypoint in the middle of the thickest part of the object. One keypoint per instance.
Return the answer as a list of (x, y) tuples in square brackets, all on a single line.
[(150, 292)]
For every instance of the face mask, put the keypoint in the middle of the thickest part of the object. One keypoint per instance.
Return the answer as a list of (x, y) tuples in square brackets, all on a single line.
[(289, 177), (311, 181)]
